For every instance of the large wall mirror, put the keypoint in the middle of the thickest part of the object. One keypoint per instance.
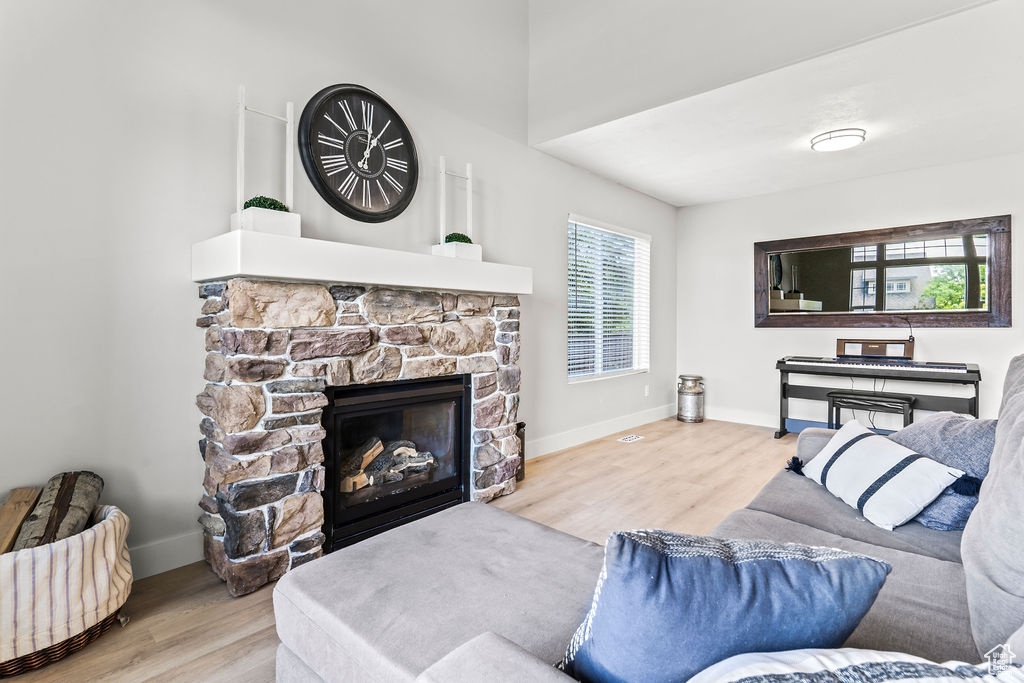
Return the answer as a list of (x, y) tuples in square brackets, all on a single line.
[(952, 274)]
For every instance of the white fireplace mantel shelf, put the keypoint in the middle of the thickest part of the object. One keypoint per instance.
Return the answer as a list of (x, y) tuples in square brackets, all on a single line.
[(243, 253)]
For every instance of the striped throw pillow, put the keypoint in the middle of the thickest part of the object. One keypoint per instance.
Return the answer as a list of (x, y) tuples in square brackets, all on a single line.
[(887, 483)]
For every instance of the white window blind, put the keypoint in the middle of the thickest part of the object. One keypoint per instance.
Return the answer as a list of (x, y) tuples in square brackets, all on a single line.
[(609, 301)]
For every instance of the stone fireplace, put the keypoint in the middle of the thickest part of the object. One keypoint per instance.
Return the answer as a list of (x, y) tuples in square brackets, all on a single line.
[(278, 353)]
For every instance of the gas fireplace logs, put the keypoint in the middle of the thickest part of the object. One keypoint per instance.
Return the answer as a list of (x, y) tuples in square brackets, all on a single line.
[(374, 464)]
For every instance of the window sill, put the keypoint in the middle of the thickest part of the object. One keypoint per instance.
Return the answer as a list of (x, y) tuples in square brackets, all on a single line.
[(607, 375)]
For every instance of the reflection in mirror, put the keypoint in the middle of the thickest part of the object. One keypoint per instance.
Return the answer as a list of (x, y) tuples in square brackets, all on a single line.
[(948, 274), (942, 274)]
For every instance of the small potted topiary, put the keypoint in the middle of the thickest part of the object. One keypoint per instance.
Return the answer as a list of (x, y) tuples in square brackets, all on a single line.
[(265, 214), (458, 245)]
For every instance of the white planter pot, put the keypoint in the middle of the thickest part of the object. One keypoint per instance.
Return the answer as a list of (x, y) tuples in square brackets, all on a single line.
[(266, 220), (470, 252)]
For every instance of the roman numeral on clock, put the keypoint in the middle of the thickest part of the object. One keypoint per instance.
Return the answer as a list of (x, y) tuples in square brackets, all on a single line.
[(334, 163), (349, 186), (348, 114), (367, 114), (334, 123), (398, 165), (367, 200), (392, 144), (391, 179), (383, 194), (331, 142)]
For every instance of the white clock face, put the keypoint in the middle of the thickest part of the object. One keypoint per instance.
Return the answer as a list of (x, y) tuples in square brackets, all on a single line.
[(358, 153)]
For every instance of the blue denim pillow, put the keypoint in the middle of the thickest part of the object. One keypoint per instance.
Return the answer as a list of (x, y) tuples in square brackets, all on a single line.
[(958, 441), (669, 605)]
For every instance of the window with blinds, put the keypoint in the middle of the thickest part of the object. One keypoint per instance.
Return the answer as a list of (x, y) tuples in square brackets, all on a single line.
[(609, 301)]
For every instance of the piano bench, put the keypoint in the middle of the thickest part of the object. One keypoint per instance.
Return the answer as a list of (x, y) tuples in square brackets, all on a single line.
[(875, 401)]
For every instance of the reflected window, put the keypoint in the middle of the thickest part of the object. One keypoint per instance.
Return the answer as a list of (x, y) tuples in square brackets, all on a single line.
[(887, 274), (941, 248), (862, 289), (864, 254), (945, 274)]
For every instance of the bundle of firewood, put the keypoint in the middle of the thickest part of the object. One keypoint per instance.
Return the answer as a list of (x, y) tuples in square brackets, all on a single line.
[(33, 516), (374, 463)]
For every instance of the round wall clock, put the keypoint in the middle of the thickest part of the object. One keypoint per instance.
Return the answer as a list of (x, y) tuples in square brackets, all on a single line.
[(358, 153)]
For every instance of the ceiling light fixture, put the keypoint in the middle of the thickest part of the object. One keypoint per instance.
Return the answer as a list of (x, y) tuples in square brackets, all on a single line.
[(835, 140)]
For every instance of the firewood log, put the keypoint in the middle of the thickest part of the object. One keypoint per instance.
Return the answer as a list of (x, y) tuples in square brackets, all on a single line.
[(354, 483), (63, 509), (16, 508)]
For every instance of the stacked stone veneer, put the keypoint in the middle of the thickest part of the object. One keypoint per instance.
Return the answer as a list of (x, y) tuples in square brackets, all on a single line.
[(273, 347)]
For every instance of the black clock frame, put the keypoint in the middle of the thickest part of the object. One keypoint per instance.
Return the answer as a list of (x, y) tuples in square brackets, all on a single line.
[(313, 171)]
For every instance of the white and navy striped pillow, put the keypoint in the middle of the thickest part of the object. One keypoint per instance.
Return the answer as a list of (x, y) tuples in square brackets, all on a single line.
[(887, 483)]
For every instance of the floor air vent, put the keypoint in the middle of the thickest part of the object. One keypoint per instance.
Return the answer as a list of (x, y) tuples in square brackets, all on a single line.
[(630, 438)]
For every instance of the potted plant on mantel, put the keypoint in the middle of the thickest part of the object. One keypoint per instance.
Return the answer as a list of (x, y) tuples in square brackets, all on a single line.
[(264, 214), (458, 245)]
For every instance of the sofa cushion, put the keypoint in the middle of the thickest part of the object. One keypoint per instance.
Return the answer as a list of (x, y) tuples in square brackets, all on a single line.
[(885, 482), (811, 441), (389, 607), (802, 500), (993, 541), (667, 605), (921, 609), (957, 440), (289, 668), (494, 659)]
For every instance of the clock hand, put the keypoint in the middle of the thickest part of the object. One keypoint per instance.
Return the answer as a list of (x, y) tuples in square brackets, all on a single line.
[(374, 143), (371, 144), (366, 152)]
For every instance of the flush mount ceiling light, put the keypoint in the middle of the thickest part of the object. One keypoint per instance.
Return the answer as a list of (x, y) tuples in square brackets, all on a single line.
[(835, 140)]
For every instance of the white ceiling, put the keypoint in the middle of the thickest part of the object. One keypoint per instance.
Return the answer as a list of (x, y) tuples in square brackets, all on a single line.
[(594, 61), (944, 91)]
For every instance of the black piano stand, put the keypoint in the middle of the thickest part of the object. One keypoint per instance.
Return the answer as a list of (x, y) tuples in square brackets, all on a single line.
[(932, 402)]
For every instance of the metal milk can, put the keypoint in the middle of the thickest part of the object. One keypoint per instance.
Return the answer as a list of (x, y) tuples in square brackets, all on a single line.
[(690, 406)]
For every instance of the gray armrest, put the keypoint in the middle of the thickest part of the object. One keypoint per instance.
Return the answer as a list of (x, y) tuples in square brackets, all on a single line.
[(811, 441), (1016, 641), (491, 658)]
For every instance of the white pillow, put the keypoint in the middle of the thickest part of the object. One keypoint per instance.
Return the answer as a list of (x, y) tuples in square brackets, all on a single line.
[(847, 664), (887, 483)]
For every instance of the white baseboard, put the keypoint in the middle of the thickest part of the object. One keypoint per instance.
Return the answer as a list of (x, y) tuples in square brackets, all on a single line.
[(176, 551), (167, 553), (747, 417), (573, 437)]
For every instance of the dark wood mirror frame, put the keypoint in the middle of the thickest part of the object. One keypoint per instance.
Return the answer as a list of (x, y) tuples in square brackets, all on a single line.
[(997, 277)]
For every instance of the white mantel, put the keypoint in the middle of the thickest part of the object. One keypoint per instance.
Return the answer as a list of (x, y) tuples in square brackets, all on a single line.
[(243, 253)]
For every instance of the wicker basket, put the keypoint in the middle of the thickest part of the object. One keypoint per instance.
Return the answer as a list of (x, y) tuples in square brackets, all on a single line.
[(49, 655), (57, 598)]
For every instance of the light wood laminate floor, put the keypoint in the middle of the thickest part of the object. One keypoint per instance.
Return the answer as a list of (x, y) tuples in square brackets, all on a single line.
[(682, 477)]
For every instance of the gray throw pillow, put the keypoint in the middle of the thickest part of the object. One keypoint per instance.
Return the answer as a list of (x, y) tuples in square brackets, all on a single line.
[(958, 441)]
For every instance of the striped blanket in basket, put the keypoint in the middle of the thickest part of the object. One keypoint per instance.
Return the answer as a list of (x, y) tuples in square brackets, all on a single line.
[(53, 592)]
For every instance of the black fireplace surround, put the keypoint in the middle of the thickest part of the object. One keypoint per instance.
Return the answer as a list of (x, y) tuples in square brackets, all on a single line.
[(394, 452)]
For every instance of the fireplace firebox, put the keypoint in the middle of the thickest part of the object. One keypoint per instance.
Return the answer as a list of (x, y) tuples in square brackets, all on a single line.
[(394, 452)]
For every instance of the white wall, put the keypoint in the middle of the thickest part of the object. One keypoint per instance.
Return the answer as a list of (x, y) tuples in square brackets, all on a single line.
[(715, 312), (118, 120)]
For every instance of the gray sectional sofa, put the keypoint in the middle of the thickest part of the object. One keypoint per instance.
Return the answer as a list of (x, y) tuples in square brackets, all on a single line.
[(475, 593)]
